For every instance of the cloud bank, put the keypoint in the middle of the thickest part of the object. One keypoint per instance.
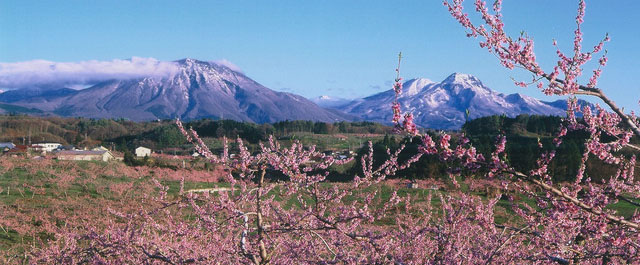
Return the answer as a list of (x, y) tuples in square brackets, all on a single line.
[(41, 72), (228, 64)]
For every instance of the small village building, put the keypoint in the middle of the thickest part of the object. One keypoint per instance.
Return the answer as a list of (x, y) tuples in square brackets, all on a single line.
[(100, 148), (413, 185), (48, 147), (18, 150), (117, 155), (85, 155), (4, 147), (36, 149), (143, 151)]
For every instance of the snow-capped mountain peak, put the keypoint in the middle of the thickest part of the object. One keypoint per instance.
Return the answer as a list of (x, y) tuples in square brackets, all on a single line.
[(458, 82), (443, 105), (462, 79), (198, 89)]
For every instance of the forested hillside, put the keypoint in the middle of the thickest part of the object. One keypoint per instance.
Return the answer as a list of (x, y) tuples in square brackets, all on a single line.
[(523, 133), (118, 133)]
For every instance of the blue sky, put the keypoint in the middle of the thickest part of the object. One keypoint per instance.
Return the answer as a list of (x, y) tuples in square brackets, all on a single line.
[(337, 48)]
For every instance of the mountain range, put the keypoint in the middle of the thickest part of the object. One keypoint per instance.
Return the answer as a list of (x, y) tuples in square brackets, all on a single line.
[(210, 90), (444, 105)]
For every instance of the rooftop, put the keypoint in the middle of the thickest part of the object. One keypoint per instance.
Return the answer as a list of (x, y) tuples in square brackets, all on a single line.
[(80, 152)]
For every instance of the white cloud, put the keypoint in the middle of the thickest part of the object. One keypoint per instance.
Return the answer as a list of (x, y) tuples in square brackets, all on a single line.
[(228, 64), (41, 72)]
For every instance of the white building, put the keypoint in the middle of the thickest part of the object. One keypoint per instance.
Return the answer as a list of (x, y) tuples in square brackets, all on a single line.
[(48, 147), (143, 151), (85, 155)]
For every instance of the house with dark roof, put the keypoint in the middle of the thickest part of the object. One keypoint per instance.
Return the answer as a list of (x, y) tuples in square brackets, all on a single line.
[(65, 147), (18, 150)]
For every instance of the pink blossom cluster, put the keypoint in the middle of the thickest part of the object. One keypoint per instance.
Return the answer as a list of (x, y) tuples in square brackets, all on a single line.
[(518, 52), (407, 124)]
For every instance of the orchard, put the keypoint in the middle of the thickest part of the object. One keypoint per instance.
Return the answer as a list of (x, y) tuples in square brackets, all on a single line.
[(277, 207)]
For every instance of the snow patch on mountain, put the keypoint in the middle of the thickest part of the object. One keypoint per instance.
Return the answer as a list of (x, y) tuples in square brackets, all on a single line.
[(414, 86)]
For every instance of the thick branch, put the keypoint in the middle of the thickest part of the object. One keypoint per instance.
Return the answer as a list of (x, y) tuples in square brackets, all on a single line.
[(618, 111), (259, 222), (334, 225), (495, 251), (594, 91), (620, 197), (577, 202), (635, 147), (157, 257), (324, 242), (209, 190)]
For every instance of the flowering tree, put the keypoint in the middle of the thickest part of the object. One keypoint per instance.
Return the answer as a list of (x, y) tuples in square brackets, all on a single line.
[(256, 219), (245, 222), (569, 222)]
